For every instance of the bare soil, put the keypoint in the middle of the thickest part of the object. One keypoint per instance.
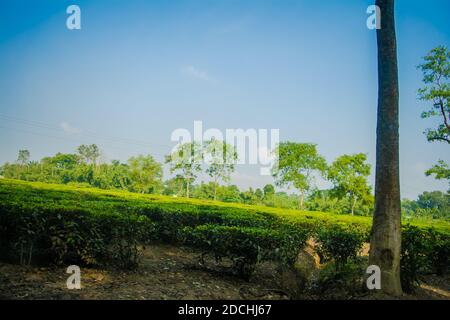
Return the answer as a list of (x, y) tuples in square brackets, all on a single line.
[(167, 272)]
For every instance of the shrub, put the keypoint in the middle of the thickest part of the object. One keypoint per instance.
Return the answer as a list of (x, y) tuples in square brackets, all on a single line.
[(439, 252), (423, 251), (413, 257), (52, 234), (246, 246), (339, 244), (337, 284), (59, 223), (125, 234)]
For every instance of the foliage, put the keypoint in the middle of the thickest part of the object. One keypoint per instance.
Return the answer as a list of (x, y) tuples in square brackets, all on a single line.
[(336, 283), (220, 158), (423, 251), (296, 165), (141, 174), (431, 205), (24, 157), (246, 246), (186, 159), (349, 175), (89, 153), (413, 258), (441, 171), (340, 244), (327, 201), (74, 224), (145, 174), (436, 74), (57, 234)]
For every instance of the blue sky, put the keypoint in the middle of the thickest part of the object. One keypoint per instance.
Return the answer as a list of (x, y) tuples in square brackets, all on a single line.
[(137, 70)]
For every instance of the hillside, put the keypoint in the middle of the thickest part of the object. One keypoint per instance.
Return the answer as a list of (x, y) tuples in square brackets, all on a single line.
[(22, 192)]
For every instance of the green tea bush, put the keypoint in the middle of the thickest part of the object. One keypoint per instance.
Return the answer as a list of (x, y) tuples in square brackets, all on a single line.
[(339, 244), (423, 251), (57, 223), (246, 246), (123, 237), (68, 235), (413, 257), (439, 252), (336, 283)]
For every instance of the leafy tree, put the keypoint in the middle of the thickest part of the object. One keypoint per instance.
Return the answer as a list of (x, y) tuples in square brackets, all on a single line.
[(386, 227), (186, 159), (349, 175), (436, 74), (175, 186), (146, 174), (62, 168), (119, 175), (328, 201), (259, 194), (441, 171), (62, 161), (434, 205), (89, 153), (24, 157), (221, 159), (249, 197), (269, 190), (296, 166), (229, 194), (203, 191), (282, 200)]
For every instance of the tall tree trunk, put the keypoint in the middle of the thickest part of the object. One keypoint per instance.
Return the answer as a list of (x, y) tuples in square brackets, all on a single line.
[(216, 178), (301, 200), (386, 228), (187, 186), (353, 205)]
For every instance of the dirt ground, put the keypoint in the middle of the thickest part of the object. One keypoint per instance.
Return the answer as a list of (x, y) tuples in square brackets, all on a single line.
[(167, 272)]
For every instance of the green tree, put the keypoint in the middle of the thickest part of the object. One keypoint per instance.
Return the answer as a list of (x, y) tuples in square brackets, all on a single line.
[(269, 191), (145, 173), (24, 157), (296, 165), (175, 186), (89, 153), (385, 242), (186, 159), (349, 173), (441, 171), (221, 159), (229, 194), (436, 74), (435, 200), (249, 197)]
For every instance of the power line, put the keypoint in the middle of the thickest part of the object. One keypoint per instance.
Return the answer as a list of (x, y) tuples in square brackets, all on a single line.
[(85, 132), (120, 148)]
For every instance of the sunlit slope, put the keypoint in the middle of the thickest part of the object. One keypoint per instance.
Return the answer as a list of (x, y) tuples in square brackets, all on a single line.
[(37, 195)]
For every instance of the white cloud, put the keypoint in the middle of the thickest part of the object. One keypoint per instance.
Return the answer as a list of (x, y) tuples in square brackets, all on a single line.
[(196, 73), (67, 128)]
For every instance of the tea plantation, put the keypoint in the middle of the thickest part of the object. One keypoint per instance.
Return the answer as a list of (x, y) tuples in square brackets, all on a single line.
[(50, 223)]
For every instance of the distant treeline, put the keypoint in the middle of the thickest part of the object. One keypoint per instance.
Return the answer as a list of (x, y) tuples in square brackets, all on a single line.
[(143, 174)]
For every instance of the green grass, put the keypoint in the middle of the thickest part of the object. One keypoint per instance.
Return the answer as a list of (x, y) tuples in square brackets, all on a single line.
[(22, 194)]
